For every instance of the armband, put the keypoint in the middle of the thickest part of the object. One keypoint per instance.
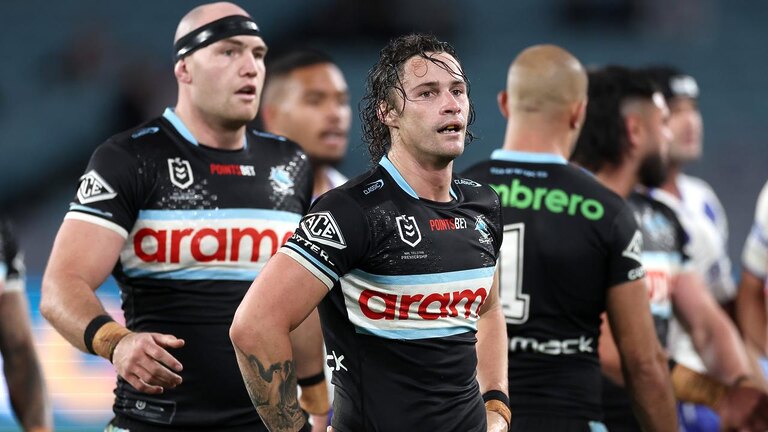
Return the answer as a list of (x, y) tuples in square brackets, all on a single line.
[(498, 402), (314, 395), (102, 335), (691, 386)]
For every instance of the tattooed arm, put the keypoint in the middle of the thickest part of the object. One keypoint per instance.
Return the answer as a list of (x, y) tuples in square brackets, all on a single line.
[(277, 302), (21, 365)]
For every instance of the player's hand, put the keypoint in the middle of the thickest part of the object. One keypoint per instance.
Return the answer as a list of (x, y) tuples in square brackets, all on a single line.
[(143, 361), (319, 422), (744, 409), (496, 422)]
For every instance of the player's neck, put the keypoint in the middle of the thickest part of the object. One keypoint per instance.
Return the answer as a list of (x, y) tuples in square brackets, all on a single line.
[(670, 184), (322, 183), (536, 136), (428, 179), (621, 179), (210, 132)]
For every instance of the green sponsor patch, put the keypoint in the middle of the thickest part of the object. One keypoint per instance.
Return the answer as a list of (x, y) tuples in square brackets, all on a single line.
[(518, 195)]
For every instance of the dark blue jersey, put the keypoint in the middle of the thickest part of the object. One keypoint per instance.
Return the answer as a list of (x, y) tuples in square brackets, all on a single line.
[(567, 240), (407, 278), (199, 223)]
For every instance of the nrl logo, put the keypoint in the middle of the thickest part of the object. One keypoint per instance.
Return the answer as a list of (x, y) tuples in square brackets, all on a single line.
[(322, 228), (181, 172), (94, 188), (409, 230)]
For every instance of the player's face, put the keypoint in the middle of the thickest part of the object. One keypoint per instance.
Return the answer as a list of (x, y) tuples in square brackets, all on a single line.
[(227, 78), (432, 122), (685, 123), (657, 136), (315, 112)]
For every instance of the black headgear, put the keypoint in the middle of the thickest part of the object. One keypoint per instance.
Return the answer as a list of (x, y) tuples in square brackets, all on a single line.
[(214, 31)]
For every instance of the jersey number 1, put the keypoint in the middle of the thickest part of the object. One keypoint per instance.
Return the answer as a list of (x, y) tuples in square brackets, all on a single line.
[(515, 303)]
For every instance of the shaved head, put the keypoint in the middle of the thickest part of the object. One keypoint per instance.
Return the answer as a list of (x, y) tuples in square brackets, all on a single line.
[(205, 14), (545, 79)]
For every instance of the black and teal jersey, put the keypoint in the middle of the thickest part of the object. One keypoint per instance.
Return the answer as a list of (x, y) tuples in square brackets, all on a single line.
[(567, 241), (199, 223), (407, 278), (663, 258)]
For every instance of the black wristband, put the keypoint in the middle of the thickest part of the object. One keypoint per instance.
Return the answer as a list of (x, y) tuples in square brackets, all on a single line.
[(92, 328), (314, 379), (497, 395)]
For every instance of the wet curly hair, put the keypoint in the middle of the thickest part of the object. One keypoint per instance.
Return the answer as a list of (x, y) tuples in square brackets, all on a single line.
[(385, 81)]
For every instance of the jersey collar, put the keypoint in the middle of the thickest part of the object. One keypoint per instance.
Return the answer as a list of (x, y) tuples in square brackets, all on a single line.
[(392, 170), (182, 129), (529, 157)]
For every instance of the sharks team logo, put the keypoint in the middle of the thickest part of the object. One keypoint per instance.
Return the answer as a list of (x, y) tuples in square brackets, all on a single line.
[(181, 172), (409, 230), (482, 227)]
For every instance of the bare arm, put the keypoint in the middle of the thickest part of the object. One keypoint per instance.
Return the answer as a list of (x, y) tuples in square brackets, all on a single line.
[(83, 255), (644, 363), (751, 311), (21, 365), (260, 334), (492, 352), (610, 360), (712, 332), (307, 346)]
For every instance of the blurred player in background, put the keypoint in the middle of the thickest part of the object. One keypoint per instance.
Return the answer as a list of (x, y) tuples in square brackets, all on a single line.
[(564, 260), (625, 143), (702, 216), (21, 366), (307, 101), (184, 211), (750, 302)]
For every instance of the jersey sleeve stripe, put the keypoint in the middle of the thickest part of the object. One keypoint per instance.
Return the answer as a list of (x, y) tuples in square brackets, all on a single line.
[(421, 279), (309, 264), (77, 215), (87, 209)]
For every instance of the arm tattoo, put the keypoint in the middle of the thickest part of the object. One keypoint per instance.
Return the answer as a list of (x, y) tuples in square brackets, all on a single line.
[(273, 393)]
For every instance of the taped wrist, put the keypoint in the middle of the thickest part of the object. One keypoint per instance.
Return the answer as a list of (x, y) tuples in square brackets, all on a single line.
[(314, 394), (102, 336), (498, 402), (691, 386)]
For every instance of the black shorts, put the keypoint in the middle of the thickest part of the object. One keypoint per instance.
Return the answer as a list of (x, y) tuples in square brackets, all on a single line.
[(555, 424)]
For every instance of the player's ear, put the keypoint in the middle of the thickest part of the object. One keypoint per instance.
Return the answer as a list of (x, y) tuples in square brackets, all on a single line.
[(502, 98), (387, 114), (634, 131), (578, 114), (181, 72)]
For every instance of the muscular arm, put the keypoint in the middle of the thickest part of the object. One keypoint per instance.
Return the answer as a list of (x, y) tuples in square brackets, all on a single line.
[(492, 351), (82, 257), (260, 334), (751, 311), (492, 344), (645, 368), (21, 365), (712, 332)]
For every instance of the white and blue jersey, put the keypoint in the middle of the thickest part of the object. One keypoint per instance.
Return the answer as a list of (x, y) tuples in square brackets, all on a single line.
[(199, 224), (407, 278)]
